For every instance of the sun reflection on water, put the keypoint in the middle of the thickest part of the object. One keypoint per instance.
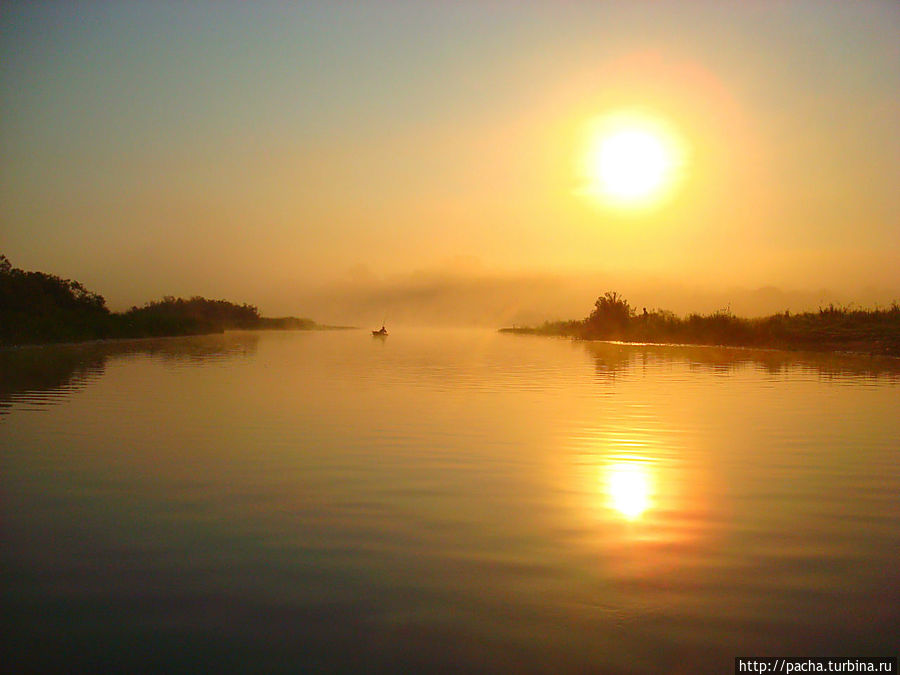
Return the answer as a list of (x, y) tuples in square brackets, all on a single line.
[(640, 490), (629, 488)]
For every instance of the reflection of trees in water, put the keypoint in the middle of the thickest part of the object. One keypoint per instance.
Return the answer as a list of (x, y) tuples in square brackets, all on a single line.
[(196, 349), (41, 374), (26, 372), (611, 359)]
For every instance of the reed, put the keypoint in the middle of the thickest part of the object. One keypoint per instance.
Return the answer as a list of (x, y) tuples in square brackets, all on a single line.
[(832, 328)]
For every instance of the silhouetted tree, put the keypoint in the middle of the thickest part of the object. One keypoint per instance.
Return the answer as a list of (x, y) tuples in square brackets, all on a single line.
[(610, 315), (38, 307)]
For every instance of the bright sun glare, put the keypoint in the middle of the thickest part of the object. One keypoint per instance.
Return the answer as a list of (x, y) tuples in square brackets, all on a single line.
[(631, 161), (629, 489)]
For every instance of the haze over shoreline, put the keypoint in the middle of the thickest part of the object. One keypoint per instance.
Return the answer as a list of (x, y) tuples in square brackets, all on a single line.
[(281, 152), (446, 297)]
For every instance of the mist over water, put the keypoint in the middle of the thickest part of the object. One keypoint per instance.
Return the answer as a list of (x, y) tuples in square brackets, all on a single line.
[(468, 295), (443, 501)]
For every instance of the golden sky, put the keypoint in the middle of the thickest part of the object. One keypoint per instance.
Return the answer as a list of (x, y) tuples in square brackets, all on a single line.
[(255, 151)]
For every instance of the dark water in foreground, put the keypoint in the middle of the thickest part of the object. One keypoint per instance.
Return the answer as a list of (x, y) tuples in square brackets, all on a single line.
[(443, 501)]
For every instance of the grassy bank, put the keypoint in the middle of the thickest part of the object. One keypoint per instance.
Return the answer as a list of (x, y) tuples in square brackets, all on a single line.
[(869, 331)]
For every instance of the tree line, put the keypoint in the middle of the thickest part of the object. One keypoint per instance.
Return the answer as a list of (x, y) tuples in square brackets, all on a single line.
[(36, 307)]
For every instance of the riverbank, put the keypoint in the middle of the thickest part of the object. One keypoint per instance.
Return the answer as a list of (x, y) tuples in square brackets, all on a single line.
[(137, 324), (38, 308), (830, 329), (99, 342)]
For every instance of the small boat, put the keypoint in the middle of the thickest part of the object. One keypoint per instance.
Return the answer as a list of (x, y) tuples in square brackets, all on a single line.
[(380, 333)]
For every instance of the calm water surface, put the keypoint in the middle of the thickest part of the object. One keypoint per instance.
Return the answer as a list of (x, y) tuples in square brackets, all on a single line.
[(443, 501)]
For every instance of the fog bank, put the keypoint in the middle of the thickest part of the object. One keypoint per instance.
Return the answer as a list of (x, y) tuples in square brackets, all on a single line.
[(433, 298)]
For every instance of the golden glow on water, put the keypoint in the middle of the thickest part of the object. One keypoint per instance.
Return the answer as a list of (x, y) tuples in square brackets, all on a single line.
[(598, 497), (637, 483), (629, 488)]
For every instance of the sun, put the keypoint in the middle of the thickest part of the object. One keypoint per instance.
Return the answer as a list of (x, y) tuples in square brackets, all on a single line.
[(632, 160), (630, 164)]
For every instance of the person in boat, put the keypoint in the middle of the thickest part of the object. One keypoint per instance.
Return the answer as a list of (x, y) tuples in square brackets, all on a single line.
[(383, 331)]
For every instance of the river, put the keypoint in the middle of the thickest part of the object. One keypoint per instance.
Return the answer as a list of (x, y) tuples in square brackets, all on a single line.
[(444, 501)]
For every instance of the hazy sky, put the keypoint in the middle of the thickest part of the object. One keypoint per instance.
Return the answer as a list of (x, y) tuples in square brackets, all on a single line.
[(256, 150)]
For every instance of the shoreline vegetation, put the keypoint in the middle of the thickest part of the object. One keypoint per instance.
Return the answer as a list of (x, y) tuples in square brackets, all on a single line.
[(39, 308), (830, 329)]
